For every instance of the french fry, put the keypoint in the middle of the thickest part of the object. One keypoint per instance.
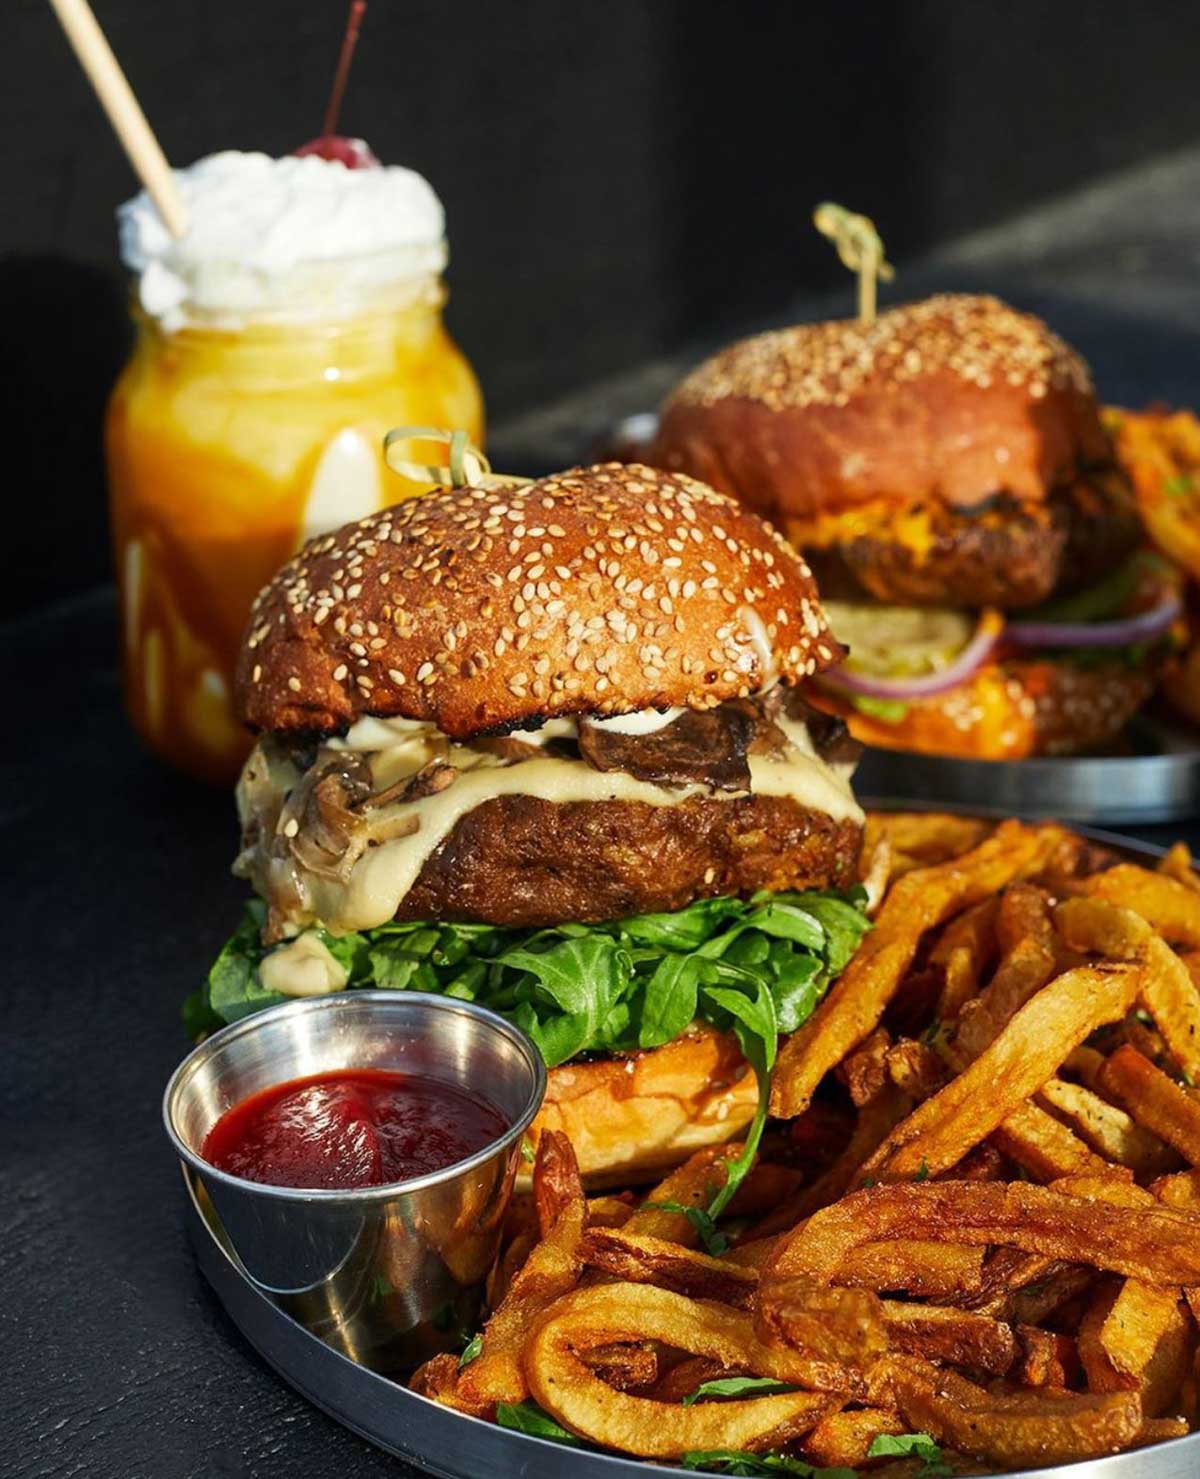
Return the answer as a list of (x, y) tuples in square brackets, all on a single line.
[(864, 1072), (1167, 990), (1029, 958), (1011, 1429), (609, 1211), (842, 1325), (1136, 1337), (943, 1333), (506, 1266), (921, 838), (1062, 1283), (875, 1120), (1160, 1430), (1108, 1129), (766, 1186), (640, 1259), (928, 1268), (915, 903), (563, 1385), (437, 1379), (1182, 1189), (691, 1185), (1156, 1244), (1084, 1063), (915, 1068), (1177, 863), (1154, 1100), (1046, 1148), (1047, 1358), (1171, 907), (625, 1366), (1170, 995), (1020, 1060), (551, 1269), (965, 949), (844, 1439)]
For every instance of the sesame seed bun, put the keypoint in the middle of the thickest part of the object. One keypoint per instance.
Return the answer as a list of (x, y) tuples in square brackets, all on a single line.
[(634, 1115), (953, 399), (601, 590)]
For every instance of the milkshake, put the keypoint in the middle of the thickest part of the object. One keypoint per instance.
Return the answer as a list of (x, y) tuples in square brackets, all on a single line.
[(298, 318)]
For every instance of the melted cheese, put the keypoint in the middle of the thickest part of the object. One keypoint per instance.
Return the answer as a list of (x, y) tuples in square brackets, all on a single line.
[(385, 872), (303, 967)]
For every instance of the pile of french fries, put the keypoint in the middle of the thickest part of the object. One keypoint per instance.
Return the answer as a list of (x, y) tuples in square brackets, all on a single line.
[(976, 1218)]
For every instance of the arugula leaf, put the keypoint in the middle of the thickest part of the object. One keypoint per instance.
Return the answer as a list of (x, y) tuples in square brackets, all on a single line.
[(911, 1445), (574, 972), (713, 1240), (788, 922), (528, 1417), (471, 1350), (755, 966), (234, 988), (796, 990), (758, 1036), (736, 1386), (670, 1000), (734, 1461), (686, 929)]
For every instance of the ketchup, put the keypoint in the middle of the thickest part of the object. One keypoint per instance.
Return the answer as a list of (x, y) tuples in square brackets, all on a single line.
[(350, 1128)]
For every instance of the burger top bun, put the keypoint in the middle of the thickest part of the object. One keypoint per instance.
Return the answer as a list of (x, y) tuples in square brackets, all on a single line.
[(956, 398), (602, 590)]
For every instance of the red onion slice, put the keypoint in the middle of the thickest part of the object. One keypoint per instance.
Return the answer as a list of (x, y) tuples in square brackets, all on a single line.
[(972, 656), (1126, 632)]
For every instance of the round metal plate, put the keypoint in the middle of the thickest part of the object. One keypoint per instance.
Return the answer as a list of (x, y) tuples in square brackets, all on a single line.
[(455, 1446), (1159, 781)]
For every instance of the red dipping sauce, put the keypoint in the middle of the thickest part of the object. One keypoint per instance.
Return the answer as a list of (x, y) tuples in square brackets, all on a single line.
[(350, 1128)]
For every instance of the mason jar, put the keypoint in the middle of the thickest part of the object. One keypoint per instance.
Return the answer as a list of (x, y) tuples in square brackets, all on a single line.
[(237, 431)]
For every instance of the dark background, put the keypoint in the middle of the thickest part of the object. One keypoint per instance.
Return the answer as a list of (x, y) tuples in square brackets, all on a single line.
[(618, 177)]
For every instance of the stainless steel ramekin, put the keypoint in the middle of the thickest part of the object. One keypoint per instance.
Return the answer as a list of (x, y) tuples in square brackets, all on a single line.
[(388, 1275)]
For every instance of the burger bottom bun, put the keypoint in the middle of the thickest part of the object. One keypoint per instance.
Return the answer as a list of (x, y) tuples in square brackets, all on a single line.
[(632, 1117), (1012, 710), (524, 862)]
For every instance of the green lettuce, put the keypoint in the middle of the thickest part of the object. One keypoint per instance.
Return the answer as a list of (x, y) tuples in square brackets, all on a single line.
[(755, 967)]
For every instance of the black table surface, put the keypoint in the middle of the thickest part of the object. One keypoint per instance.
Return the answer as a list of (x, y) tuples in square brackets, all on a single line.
[(116, 1360)]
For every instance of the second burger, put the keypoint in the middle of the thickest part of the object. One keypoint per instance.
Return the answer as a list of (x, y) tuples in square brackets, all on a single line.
[(947, 473)]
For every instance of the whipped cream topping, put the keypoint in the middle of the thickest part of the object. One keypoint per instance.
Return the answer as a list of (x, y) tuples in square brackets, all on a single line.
[(284, 238)]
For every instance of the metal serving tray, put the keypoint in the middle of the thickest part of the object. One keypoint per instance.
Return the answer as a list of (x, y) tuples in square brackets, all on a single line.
[(455, 1446), (1158, 782), (1156, 779)]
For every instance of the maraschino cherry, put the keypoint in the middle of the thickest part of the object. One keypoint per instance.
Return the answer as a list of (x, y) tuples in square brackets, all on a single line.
[(353, 153)]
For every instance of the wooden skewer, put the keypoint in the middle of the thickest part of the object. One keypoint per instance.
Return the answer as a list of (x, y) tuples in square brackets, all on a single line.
[(859, 247), (124, 112)]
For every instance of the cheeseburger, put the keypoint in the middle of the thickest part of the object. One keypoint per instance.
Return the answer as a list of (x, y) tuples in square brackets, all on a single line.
[(542, 745), (947, 473)]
